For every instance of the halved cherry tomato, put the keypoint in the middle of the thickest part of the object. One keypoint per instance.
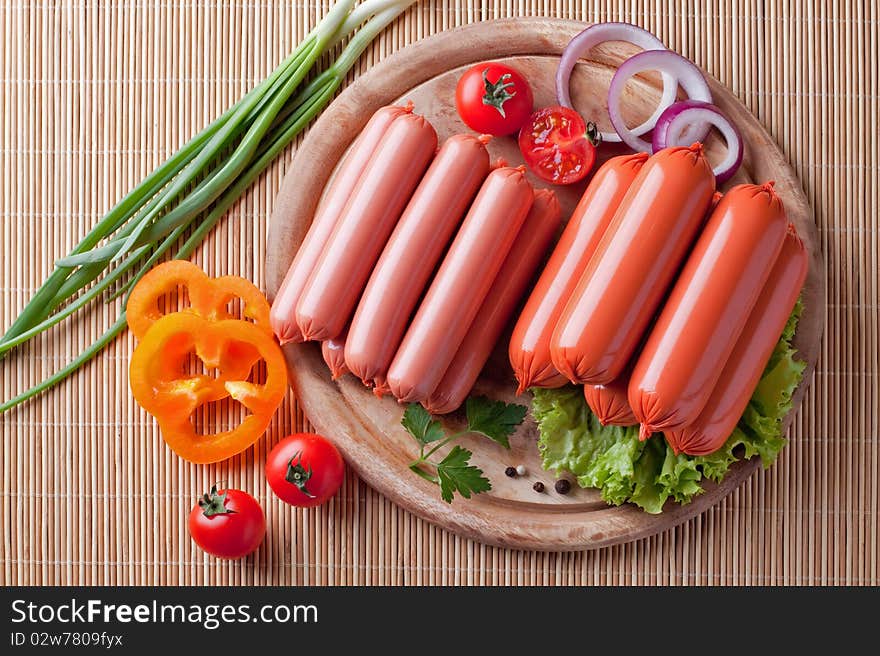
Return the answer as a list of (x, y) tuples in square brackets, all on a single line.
[(304, 469), (227, 523), (493, 99), (558, 145)]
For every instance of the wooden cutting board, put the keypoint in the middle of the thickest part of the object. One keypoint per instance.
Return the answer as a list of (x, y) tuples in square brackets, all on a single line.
[(367, 430)]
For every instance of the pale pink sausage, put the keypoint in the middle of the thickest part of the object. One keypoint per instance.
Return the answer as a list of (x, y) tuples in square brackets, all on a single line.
[(633, 267), (461, 284), (530, 343), (333, 352), (282, 317), (383, 190), (411, 255), (707, 309), (511, 282), (753, 349)]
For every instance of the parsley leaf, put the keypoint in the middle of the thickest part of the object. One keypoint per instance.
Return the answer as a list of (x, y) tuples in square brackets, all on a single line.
[(457, 475), (495, 419), (418, 423)]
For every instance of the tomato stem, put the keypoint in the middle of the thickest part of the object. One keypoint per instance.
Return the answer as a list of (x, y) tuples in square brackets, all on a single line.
[(497, 92), (594, 136), (299, 475), (212, 503)]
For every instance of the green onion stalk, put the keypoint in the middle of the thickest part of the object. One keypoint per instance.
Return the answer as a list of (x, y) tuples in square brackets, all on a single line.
[(197, 185)]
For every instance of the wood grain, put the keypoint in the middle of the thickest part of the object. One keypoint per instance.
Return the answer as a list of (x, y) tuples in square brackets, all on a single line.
[(367, 429), (94, 95)]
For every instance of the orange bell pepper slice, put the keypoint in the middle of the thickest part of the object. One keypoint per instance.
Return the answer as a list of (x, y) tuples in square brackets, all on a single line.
[(230, 347), (208, 297)]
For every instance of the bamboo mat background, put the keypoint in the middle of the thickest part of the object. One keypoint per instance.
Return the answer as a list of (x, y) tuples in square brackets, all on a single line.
[(96, 94)]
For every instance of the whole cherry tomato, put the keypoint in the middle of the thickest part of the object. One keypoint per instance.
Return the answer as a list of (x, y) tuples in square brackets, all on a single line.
[(493, 99), (227, 523), (558, 145), (305, 469)]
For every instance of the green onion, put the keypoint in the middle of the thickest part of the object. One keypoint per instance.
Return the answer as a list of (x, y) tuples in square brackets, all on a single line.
[(197, 185), (79, 361)]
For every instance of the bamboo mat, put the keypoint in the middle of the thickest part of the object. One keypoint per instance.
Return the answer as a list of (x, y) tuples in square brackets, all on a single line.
[(96, 94)]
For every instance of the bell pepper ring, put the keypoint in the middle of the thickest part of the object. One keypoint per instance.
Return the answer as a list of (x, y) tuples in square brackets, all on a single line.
[(161, 385), (208, 297)]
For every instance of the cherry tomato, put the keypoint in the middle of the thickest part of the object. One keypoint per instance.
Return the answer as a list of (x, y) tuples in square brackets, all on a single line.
[(493, 99), (557, 145), (227, 523), (304, 470)]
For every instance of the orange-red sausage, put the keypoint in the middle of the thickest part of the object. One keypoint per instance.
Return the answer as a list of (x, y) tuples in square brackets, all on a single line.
[(530, 343), (416, 245), (383, 190), (333, 351), (609, 402), (633, 266), (707, 309), (282, 317), (753, 349), (525, 255), (461, 284)]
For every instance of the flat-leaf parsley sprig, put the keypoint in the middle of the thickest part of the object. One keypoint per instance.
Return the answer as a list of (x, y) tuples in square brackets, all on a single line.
[(494, 419)]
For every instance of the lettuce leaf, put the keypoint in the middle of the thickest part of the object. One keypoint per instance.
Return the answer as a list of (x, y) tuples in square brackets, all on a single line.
[(612, 460), (649, 493)]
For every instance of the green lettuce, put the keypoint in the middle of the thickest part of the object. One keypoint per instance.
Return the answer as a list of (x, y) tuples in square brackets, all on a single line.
[(614, 461)]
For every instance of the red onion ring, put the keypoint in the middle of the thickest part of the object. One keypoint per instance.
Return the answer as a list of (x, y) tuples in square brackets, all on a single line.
[(666, 61), (599, 33), (659, 139), (679, 116)]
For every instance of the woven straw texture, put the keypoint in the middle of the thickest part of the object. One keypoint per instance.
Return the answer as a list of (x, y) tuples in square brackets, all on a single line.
[(96, 94)]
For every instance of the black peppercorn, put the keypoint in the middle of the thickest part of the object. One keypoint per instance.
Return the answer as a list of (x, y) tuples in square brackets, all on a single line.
[(538, 486), (510, 471), (563, 486)]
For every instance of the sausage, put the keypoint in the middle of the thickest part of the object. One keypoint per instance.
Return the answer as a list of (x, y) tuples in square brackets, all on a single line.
[(412, 253), (750, 356), (380, 382), (383, 190), (530, 343), (634, 264), (461, 284), (609, 402), (707, 309), (333, 351), (525, 255), (282, 317)]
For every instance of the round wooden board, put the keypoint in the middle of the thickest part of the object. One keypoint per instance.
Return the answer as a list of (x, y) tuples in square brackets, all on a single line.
[(366, 429)]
